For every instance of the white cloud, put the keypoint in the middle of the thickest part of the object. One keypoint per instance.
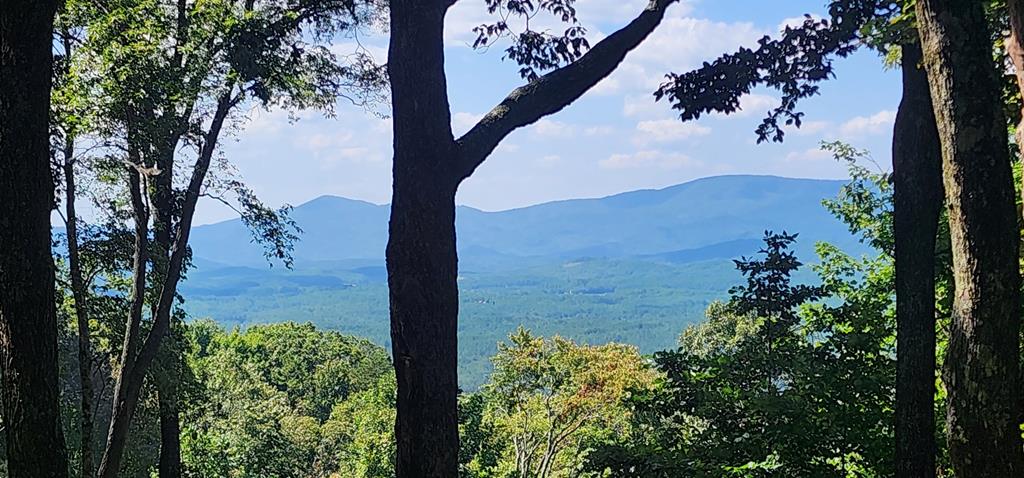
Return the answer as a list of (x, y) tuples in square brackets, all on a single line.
[(813, 154), (794, 22), (506, 147), (599, 131), (877, 123), (462, 17), (462, 122), (683, 42), (648, 159), (643, 106), (552, 129), (379, 53), (811, 127), (667, 130), (549, 160)]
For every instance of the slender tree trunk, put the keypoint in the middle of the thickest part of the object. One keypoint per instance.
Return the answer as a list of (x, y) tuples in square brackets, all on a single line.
[(421, 257), (982, 363), (135, 367), (28, 316), (162, 199), (123, 401), (918, 198), (79, 292), (170, 427)]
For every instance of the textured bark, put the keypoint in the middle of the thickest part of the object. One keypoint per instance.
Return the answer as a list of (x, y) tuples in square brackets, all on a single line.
[(982, 363), (428, 166), (918, 200), (28, 316), (168, 376), (421, 257)]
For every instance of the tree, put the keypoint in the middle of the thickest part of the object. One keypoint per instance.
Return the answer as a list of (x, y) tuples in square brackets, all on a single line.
[(828, 410), (429, 164), (547, 397), (70, 118), (28, 317), (286, 400), (982, 363), (171, 78), (918, 200)]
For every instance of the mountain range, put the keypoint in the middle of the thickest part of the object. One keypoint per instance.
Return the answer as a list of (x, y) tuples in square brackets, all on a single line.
[(635, 267), (721, 215)]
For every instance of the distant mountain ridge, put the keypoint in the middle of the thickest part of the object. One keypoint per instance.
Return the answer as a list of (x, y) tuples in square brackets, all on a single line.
[(635, 267), (720, 216)]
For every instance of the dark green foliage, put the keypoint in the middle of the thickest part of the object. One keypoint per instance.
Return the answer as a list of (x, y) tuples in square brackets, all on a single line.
[(284, 400), (794, 64), (795, 386)]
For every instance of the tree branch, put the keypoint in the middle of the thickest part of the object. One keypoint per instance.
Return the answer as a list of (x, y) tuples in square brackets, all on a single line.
[(556, 90)]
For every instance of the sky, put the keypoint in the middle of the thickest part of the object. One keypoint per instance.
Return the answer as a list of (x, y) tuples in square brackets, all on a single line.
[(615, 138)]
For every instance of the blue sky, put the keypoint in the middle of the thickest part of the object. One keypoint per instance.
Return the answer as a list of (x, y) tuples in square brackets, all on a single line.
[(614, 139)]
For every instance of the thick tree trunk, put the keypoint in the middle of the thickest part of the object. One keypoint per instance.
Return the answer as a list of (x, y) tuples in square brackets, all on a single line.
[(428, 167), (421, 257), (918, 198), (982, 363), (28, 316)]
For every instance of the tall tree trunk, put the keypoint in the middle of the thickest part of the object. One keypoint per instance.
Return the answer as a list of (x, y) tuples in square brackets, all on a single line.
[(428, 166), (166, 367), (918, 198), (134, 368), (982, 363), (79, 291), (28, 316), (123, 401), (421, 256)]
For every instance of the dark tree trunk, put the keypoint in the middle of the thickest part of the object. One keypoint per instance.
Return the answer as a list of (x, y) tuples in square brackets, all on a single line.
[(428, 166), (421, 257), (28, 316), (982, 362), (166, 367), (918, 198), (170, 429)]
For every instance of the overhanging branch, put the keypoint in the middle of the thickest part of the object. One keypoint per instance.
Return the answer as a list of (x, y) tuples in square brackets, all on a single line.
[(556, 90)]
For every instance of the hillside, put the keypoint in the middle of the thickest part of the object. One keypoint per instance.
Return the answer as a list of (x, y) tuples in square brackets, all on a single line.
[(634, 267)]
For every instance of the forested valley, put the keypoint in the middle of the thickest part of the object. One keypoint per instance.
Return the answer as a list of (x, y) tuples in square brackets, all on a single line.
[(893, 354)]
